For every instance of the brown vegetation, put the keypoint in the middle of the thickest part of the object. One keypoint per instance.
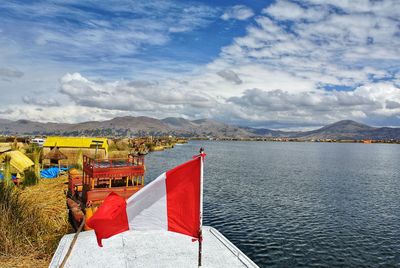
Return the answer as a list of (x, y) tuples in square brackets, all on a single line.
[(74, 155), (32, 222)]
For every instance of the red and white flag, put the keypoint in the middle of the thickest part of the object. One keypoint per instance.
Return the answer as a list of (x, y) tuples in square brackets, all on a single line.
[(172, 202)]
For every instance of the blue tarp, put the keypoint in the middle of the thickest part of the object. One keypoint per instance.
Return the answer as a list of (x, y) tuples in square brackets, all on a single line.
[(2, 176), (51, 173)]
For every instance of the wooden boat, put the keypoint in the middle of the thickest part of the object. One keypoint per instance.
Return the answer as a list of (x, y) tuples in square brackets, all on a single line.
[(134, 152), (158, 148), (143, 151), (87, 190), (150, 249)]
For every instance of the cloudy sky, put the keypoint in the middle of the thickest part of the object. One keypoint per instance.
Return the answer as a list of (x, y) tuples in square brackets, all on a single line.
[(279, 64)]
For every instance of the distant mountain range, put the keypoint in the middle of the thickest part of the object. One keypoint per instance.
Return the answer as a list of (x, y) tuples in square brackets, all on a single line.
[(141, 126)]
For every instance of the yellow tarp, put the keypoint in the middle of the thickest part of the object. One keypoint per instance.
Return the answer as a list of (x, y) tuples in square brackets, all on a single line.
[(76, 142), (19, 161)]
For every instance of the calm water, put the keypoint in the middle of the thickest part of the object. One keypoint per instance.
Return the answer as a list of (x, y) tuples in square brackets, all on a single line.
[(300, 204)]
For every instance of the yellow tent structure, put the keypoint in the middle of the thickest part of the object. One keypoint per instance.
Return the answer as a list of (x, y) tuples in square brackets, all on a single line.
[(76, 142), (19, 161)]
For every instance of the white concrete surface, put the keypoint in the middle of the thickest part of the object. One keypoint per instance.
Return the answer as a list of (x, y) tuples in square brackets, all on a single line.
[(150, 249)]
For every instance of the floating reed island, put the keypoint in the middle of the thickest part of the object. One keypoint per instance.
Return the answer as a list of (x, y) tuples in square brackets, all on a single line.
[(34, 214)]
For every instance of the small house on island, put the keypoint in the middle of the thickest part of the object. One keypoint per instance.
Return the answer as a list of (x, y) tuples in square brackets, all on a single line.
[(19, 162), (55, 156), (74, 147)]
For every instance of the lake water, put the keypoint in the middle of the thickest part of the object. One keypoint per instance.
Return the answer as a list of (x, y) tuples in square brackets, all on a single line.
[(300, 204)]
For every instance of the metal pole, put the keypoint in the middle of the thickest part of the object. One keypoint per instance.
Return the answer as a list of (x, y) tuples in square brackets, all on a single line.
[(201, 206)]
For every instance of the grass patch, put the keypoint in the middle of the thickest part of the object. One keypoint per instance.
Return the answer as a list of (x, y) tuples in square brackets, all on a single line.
[(29, 178)]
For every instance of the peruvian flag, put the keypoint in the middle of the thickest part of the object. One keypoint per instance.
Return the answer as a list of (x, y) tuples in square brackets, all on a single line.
[(172, 202)]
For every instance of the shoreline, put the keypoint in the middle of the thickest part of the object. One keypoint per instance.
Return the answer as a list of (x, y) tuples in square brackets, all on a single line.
[(297, 140)]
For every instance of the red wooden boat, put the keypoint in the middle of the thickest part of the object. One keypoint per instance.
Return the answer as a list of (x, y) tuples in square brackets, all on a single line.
[(86, 191)]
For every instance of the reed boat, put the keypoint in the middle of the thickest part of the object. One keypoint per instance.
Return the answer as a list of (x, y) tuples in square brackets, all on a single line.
[(143, 151), (87, 190), (158, 148)]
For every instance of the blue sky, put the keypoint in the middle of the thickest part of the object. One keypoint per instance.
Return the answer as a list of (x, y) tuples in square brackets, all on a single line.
[(282, 64)]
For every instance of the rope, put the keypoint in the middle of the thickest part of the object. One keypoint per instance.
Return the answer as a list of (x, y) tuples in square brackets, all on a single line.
[(71, 246)]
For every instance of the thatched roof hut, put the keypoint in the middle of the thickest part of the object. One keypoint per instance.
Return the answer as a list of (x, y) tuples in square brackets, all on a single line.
[(74, 147), (19, 161), (55, 154)]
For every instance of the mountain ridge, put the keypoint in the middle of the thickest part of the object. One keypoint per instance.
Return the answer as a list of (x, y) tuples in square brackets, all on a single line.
[(142, 125)]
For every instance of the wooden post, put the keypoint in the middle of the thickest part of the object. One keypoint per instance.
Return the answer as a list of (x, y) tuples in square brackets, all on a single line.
[(200, 247)]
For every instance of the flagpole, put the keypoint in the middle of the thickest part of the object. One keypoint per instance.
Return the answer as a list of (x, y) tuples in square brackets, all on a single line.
[(201, 205)]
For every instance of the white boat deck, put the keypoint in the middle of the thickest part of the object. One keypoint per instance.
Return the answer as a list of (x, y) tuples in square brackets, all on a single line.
[(150, 249)]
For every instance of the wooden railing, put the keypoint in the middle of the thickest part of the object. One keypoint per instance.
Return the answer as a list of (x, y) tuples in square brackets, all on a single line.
[(97, 171), (113, 162)]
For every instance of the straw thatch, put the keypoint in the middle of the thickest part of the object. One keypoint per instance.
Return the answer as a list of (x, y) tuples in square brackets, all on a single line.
[(118, 154), (19, 145), (32, 223), (19, 161), (4, 149), (55, 154), (74, 155)]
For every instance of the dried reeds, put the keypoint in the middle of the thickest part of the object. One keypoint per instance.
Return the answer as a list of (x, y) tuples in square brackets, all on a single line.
[(79, 160), (75, 154), (7, 172), (37, 153), (118, 154), (32, 222)]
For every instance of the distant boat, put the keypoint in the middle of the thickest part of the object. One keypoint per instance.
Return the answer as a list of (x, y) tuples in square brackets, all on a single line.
[(143, 151), (134, 153), (38, 141), (158, 148)]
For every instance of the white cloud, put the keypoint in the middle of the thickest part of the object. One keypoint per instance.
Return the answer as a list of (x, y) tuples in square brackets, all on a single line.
[(287, 10), (171, 97), (370, 101), (67, 114), (230, 75), (43, 101), (238, 12)]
